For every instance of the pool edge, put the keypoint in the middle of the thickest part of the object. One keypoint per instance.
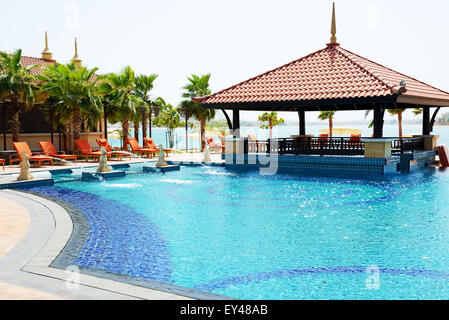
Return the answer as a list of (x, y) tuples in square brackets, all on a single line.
[(41, 263)]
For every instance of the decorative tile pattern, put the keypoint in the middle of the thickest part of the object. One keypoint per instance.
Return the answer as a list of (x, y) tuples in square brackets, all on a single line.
[(120, 239)]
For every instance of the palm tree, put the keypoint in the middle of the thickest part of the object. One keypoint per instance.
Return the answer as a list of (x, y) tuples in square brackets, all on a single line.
[(198, 86), (73, 90), (143, 84), (398, 112), (168, 117), (16, 88), (118, 94), (272, 121), (328, 115)]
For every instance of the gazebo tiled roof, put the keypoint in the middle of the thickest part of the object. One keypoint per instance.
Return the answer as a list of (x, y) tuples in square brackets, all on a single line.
[(330, 73), (332, 78)]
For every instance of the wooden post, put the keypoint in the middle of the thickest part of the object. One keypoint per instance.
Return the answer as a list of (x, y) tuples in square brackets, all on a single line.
[(236, 123), (426, 121), (302, 122), (378, 122)]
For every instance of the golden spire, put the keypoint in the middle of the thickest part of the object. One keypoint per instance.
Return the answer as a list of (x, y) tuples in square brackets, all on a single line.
[(333, 28), (76, 50), (46, 54), (76, 60)]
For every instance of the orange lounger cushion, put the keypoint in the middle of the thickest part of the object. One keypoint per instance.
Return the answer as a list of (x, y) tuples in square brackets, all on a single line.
[(21, 147), (150, 144), (49, 149), (102, 142)]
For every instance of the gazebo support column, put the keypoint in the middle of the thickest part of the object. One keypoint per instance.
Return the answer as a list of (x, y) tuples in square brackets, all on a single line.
[(228, 120), (236, 123), (302, 122), (426, 121), (378, 122)]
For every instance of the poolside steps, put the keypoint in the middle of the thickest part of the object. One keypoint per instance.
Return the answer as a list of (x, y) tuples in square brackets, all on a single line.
[(162, 169), (24, 184), (95, 176), (443, 154)]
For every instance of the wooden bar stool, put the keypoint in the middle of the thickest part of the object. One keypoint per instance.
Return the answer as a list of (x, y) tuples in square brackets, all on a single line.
[(2, 161)]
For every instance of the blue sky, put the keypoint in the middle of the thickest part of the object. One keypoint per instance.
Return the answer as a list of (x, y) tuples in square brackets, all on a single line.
[(232, 39)]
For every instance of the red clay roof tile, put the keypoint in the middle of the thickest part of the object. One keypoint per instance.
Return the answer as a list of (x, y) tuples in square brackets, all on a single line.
[(330, 73)]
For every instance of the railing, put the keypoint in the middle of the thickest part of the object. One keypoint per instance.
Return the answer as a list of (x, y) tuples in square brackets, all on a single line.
[(319, 146), (329, 146), (401, 145), (258, 146)]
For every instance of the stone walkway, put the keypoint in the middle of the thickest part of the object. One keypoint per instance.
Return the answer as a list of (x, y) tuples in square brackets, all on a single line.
[(14, 224)]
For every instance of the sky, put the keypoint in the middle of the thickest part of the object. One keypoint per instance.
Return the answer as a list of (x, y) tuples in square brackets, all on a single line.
[(233, 39)]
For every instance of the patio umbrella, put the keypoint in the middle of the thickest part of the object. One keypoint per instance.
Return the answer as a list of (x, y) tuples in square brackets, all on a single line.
[(342, 130)]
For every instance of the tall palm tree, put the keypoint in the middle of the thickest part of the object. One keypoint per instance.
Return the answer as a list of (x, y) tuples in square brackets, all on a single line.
[(272, 120), (399, 113), (75, 92), (198, 86), (143, 84), (16, 88), (118, 93), (328, 115)]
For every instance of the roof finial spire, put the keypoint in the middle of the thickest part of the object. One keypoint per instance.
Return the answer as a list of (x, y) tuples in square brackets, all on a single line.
[(46, 54), (76, 50), (333, 28), (76, 60)]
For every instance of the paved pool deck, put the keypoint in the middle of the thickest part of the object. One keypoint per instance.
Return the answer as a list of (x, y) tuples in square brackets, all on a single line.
[(34, 230)]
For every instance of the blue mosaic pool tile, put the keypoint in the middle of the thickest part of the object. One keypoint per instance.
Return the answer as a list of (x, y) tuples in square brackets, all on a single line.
[(117, 228), (27, 184), (316, 164), (60, 171), (120, 166)]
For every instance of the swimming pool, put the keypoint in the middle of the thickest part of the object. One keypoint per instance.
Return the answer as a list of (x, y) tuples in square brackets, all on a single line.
[(244, 235)]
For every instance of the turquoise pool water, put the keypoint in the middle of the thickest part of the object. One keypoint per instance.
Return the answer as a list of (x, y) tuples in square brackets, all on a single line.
[(248, 236)]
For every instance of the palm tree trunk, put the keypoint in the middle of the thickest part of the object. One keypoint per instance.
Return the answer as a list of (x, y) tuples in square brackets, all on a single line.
[(15, 123), (125, 128), (271, 132), (400, 124), (76, 123), (136, 129), (144, 122), (150, 114), (65, 133), (331, 125), (105, 119), (203, 135)]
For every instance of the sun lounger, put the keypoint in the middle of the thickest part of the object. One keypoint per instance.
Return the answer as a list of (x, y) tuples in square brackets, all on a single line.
[(20, 147), (49, 150), (102, 142), (85, 150), (212, 144), (137, 149), (149, 143)]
